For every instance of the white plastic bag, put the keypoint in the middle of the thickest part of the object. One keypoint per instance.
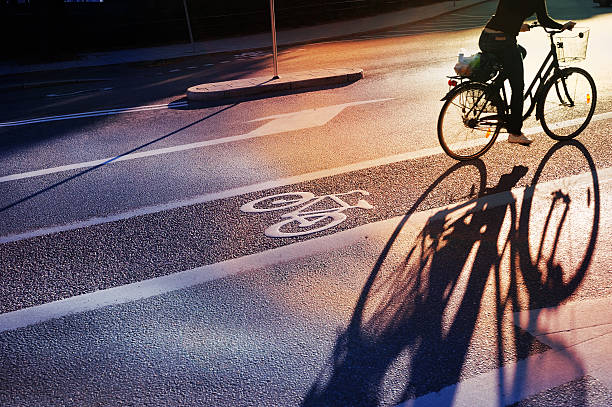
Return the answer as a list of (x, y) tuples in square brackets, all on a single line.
[(466, 65)]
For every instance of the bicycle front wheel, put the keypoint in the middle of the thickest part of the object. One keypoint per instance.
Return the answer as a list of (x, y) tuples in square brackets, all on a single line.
[(567, 103), (469, 122)]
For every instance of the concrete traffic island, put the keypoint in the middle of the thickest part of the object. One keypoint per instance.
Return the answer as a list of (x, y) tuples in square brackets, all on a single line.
[(261, 85)]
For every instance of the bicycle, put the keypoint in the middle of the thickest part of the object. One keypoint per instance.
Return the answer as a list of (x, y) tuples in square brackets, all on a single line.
[(474, 111)]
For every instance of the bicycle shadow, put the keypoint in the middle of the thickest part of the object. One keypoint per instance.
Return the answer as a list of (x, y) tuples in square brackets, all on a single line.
[(415, 323)]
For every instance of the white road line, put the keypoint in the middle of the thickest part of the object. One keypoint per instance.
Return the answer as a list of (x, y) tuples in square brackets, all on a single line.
[(78, 92), (185, 279), (262, 186), (506, 385), (53, 95), (279, 124), (256, 133), (94, 113)]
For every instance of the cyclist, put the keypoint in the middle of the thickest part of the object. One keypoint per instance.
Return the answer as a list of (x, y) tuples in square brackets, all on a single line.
[(499, 38)]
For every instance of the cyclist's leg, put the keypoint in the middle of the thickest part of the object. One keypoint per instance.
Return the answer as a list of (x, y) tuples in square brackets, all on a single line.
[(510, 55), (512, 61)]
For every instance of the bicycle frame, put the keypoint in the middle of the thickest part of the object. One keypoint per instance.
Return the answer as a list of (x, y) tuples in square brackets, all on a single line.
[(549, 67)]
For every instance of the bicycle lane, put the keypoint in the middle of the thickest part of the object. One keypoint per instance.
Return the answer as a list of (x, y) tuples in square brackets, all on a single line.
[(374, 314), (191, 236)]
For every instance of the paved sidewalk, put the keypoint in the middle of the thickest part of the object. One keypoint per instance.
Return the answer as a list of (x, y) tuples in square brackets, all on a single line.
[(259, 41)]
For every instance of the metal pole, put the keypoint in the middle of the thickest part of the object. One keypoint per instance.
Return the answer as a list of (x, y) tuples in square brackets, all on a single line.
[(188, 22), (274, 48)]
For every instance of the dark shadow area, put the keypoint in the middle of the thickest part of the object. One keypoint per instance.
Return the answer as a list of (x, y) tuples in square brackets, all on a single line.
[(553, 287), (423, 313), (43, 29), (116, 158), (131, 87), (15, 138)]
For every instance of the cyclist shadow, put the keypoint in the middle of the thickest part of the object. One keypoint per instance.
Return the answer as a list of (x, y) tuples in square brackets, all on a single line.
[(415, 322)]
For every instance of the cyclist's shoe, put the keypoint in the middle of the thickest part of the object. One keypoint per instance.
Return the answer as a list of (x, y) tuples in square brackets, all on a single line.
[(519, 139)]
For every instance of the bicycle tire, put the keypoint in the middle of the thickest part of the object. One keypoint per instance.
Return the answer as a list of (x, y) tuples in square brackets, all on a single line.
[(466, 138), (567, 103)]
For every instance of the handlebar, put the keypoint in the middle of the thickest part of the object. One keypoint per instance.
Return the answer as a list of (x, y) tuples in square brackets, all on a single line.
[(550, 31)]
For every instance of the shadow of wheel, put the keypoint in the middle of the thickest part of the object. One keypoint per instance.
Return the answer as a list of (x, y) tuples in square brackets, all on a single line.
[(548, 281)]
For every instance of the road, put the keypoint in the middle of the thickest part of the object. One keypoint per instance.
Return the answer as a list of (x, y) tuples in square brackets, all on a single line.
[(143, 265)]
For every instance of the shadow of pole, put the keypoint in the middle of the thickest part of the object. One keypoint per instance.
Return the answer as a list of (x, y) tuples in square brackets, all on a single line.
[(109, 161)]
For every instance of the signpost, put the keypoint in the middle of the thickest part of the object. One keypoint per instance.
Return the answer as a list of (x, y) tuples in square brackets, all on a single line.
[(274, 48)]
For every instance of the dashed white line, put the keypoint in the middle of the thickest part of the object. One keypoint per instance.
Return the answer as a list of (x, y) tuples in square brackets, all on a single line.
[(94, 113)]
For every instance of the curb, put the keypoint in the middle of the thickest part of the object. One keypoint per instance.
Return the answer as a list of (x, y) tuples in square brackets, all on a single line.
[(262, 85)]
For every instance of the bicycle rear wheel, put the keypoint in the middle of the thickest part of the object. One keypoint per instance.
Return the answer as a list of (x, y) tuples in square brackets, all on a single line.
[(567, 103), (469, 122)]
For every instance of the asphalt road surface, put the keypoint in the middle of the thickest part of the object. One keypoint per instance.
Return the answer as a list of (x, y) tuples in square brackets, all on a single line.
[(309, 249)]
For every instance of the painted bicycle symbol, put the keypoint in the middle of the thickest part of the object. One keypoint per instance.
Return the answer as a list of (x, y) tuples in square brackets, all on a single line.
[(313, 213)]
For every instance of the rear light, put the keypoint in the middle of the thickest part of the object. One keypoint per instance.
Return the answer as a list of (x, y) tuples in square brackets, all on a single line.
[(452, 82)]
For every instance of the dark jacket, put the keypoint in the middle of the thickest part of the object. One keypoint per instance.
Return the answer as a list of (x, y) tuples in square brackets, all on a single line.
[(511, 14)]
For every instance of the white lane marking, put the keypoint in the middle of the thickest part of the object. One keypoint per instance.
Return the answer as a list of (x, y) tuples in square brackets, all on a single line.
[(53, 95), (278, 124), (94, 113), (581, 337), (185, 279), (262, 186), (174, 70), (584, 328)]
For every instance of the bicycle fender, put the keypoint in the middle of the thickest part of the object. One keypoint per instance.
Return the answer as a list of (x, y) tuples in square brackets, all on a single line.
[(454, 90)]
